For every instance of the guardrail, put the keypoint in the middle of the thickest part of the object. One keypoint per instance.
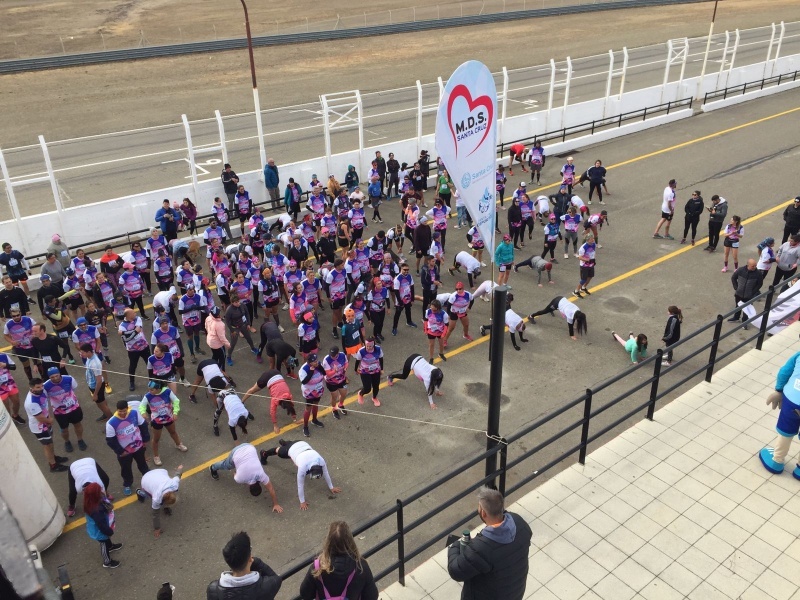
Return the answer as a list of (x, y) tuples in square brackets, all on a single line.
[(126, 239), (593, 126), (89, 58), (750, 86), (655, 392)]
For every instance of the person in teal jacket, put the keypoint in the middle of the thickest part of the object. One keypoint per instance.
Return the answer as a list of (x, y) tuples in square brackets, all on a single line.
[(292, 198), (504, 259), (100, 521), (636, 346)]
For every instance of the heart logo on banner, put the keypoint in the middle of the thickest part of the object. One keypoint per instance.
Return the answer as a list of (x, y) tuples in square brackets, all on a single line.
[(462, 91)]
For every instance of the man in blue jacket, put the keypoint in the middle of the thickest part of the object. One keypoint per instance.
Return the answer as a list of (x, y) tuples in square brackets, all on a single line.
[(167, 219), (272, 181), (493, 564)]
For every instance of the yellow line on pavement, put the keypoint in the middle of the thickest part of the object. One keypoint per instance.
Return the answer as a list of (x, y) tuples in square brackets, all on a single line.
[(265, 438)]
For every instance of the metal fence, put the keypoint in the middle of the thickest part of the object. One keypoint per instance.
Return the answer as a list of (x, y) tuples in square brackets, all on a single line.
[(582, 430), (750, 86)]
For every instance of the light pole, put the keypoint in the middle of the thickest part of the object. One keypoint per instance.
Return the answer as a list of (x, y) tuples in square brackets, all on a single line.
[(261, 150), (708, 48)]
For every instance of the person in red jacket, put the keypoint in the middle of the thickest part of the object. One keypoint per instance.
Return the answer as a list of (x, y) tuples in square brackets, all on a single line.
[(516, 152)]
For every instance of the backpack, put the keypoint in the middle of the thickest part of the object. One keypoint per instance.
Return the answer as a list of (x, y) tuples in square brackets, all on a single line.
[(327, 596)]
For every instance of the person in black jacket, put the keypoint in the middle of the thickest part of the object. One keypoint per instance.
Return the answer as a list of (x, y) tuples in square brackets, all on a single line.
[(493, 564), (791, 217), (339, 571), (515, 222), (560, 202), (393, 168), (672, 332), (430, 282), (250, 578), (746, 285), (693, 209)]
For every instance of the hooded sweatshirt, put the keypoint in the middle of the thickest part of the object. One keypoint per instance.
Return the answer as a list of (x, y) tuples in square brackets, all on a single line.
[(261, 583), (215, 329)]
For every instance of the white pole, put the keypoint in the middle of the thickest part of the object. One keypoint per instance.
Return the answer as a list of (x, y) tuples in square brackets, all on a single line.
[(567, 83), (326, 124), (262, 152), (608, 82), (12, 200), (778, 49), (624, 70), (668, 63), (708, 48), (53, 183), (685, 57), (360, 106), (505, 102), (733, 54), (441, 87), (190, 156), (222, 143), (419, 116), (724, 53), (552, 85), (771, 41)]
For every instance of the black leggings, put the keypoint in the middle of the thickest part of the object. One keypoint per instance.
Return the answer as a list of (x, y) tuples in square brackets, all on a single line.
[(73, 491), (596, 186), (370, 381), (528, 224), (133, 361), (148, 282), (139, 304), (690, 221), (501, 194), (218, 356), (515, 233), (282, 451), (780, 275), (399, 308), (235, 334), (377, 319), (551, 246), (436, 375), (126, 466)]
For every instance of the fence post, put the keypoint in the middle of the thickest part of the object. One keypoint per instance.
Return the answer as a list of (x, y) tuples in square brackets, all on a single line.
[(587, 411), (503, 462), (714, 345), (669, 105), (401, 545), (644, 114), (767, 308), (651, 408)]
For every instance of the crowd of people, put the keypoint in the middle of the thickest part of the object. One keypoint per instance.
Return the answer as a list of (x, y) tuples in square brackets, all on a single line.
[(322, 268)]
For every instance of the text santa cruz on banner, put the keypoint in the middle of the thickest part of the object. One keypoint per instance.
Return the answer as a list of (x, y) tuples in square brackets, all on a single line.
[(466, 140)]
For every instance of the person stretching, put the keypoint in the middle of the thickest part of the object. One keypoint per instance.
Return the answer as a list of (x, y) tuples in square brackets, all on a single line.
[(430, 376), (568, 310), (514, 322), (636, 346)]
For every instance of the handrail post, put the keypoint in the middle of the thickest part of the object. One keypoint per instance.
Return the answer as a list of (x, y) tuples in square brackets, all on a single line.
[(765, 317), (401, 546), (587, 411), (712, 357), (651, 407), (503, 461)]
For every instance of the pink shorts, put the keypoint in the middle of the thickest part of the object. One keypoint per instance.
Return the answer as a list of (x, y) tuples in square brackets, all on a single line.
[(7, 389)]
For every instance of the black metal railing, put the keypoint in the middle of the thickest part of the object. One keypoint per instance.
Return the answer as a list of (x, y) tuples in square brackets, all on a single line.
[(640, 114), (521, 467), (743, 88)]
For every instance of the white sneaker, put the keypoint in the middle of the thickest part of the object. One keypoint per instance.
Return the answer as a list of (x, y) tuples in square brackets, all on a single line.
[(589, 202), (485, 298), (281, 329), (599, 245), (483, 264), (566, 255), (285, 306), (456, 227)]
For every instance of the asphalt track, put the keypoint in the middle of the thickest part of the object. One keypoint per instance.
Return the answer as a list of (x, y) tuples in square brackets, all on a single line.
[(375, 458), (97, 168)]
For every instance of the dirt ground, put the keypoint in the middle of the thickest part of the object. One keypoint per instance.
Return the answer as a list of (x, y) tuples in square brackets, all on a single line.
[(74, 102)]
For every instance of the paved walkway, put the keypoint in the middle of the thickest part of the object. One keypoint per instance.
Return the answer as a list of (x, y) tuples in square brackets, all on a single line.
[(680, 507)]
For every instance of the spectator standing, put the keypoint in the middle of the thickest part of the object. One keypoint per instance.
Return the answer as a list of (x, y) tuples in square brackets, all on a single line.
[(17, 267), (380, 165), (424, 166), (791, 217), (339, 571), (272, 181), (672, 332), (168, 219), (60, 249), (230, 182), (493, 564), (717, 213), (692, 212), (746, 284), (393, 169), (351, 178), (189, 211), (249, 577), (53, 268), (597, 179), (788, 255), (667, 211), (292, 197)]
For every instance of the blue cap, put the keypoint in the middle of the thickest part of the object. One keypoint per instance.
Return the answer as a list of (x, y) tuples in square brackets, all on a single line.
[(45, 277), (312, 357), (81, 321), (53, 371)]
